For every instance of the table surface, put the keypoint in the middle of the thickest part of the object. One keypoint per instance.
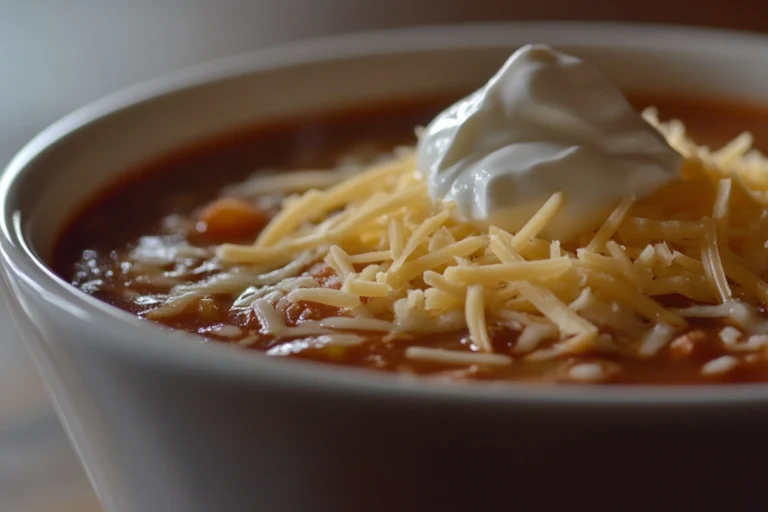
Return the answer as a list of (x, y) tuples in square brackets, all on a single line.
[(58, 55)]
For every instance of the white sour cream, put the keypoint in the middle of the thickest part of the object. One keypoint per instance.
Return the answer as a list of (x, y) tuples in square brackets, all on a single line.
[(547, 122)]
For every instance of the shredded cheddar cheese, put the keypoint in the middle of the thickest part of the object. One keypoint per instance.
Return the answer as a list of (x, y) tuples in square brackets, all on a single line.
[(407, 264)]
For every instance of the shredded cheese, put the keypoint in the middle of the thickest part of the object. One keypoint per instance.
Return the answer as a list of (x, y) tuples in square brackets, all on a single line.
[(501, 272), (719, 366), (655, 339), (435, 355), (475, 313), (713, 264), (326, 296), (409, 265), (539, 221), (611, 224), (533, 335)]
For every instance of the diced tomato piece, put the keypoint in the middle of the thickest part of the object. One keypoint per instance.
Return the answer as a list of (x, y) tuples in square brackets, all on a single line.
[(230, 218)]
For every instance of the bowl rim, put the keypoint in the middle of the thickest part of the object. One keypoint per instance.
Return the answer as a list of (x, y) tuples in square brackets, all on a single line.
[(155, 345)]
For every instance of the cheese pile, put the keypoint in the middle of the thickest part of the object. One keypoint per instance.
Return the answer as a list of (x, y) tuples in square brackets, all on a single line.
[(407, 264)]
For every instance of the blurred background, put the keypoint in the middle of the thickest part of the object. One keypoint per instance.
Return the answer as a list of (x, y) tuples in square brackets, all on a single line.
[(59, 54)]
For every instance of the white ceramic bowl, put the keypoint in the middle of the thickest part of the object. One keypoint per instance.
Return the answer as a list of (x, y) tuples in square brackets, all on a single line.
[(165, 423)]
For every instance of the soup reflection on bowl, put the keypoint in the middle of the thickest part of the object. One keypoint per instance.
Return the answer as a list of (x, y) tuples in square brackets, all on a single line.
[(302, 279)]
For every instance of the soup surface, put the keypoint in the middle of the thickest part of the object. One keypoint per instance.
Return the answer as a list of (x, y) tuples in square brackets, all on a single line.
[(154, 233)]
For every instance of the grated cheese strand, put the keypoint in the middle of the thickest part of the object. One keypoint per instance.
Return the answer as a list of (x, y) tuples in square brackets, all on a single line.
[(540, 219), (713, 264), (475, 313), (611, 225), (721, 209), (436, 355), (327, 296), (502, 272)]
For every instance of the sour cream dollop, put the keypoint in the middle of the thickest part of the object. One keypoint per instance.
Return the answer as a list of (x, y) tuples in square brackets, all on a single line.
[(547, 122)]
